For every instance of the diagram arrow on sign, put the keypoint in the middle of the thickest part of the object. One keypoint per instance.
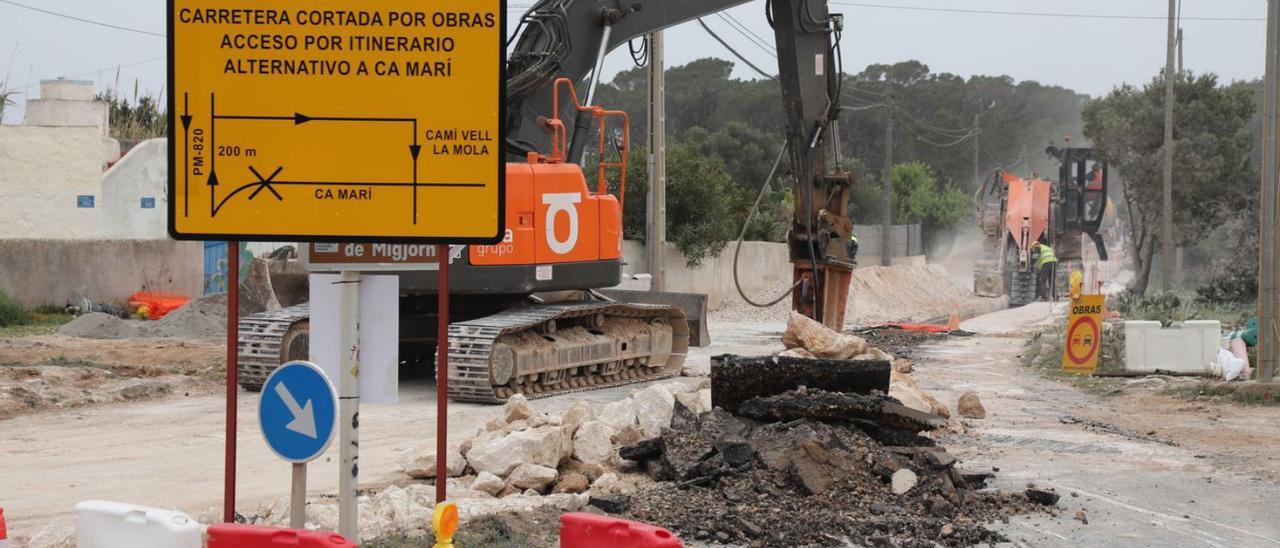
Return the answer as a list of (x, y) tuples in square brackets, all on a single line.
[(304, 418)]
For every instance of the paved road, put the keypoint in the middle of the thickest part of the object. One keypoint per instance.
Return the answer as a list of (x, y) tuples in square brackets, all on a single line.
[(1134, 491)]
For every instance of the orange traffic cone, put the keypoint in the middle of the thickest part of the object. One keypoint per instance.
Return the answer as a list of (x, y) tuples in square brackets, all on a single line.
[(4, 532), (953, 322)]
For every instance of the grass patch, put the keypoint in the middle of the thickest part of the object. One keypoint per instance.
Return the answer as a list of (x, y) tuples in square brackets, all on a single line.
[(38, 323), (16, 321), (399, 540), (1242, 393), (500, 531), (11, 313), (1171, 307)]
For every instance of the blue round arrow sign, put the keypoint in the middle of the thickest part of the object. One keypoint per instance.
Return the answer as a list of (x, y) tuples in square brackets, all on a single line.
[(298, 411)]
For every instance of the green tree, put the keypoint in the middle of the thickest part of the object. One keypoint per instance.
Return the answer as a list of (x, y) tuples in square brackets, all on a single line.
[(922, 198), (1211, 173), (702, 204)]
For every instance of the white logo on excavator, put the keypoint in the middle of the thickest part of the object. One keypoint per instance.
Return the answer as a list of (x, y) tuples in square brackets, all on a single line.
[(558, 202)]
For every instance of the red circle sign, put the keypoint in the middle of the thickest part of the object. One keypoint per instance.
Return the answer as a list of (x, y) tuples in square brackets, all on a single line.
[(1091, 342)]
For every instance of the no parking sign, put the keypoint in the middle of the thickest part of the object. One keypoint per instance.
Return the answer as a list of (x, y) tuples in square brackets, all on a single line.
[(1084, 335)]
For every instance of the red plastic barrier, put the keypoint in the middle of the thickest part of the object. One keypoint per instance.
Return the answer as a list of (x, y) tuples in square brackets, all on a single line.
[(579, 530), (234, 535)]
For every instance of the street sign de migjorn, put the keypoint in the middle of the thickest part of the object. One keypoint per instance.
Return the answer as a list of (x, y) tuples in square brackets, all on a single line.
[(326, 120)]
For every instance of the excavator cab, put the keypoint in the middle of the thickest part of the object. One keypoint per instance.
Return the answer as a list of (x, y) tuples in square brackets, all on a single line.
[(1082, 191)]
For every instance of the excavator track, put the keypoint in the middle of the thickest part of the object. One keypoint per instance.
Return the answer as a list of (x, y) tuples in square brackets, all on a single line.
[(1024, 288), (553, 349), (268, 339)]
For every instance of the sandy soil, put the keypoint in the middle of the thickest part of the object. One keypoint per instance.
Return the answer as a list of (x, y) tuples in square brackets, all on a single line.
[(1233, 437), (880, 294), (56, 371)]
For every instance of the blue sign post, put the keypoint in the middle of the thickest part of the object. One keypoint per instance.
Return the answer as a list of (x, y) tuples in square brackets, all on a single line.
[(298, 415), (298, 412)]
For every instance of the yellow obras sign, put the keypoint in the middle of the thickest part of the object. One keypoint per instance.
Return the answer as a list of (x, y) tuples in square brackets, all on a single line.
[(1084, 334), (331, 120)]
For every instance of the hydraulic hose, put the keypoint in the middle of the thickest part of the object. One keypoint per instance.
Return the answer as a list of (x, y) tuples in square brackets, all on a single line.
[(743, 234)]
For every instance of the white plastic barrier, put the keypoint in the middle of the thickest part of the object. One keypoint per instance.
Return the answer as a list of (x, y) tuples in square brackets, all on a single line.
[(103, 524), (1188, 348)]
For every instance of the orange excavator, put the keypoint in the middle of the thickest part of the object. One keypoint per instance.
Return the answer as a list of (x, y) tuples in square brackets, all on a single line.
[(1014, 213), (527, 316)]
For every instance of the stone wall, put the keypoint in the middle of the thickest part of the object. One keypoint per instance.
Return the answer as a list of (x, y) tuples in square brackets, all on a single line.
[(57, 272)]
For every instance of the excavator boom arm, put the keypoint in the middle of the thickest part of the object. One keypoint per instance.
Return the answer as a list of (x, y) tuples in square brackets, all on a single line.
[(569, 38)]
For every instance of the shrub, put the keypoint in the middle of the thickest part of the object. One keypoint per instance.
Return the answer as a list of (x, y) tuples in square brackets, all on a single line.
[(11, 313)]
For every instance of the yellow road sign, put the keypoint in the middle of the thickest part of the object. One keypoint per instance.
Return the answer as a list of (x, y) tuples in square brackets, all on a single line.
[(1084, 335), (331, 120)]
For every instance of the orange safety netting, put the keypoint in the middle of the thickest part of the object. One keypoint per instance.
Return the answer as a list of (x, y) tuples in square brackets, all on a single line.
[(926, 327), (155, 305)]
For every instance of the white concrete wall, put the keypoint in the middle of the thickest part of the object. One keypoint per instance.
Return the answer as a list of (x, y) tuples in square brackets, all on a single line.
[(762, 267), (142, 173), (58, 272), (42, 171), (68, 103), (60, 113), (67, 90)]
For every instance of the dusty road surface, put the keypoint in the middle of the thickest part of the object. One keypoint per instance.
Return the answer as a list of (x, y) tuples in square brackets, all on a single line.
[(1136, 469), (1145, 469), (168, 452)]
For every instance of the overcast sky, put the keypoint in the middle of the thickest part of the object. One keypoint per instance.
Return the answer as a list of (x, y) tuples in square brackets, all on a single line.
[(1088, 54)]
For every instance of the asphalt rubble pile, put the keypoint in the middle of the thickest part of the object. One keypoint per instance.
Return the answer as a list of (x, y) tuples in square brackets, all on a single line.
[(804, 451)]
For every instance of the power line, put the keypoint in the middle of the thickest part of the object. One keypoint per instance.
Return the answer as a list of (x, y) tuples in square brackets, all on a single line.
[(93, 72), (734, 51), (81, 19), (1046, 14), (962, 139), (747, 33), (948, 133)]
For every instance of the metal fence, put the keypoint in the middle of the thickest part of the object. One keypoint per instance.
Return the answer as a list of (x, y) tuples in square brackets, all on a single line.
[(904, 240)]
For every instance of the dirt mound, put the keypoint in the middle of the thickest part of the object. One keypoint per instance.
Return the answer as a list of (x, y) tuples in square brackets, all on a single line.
[(201, 318), (97, 325), (877, 294)]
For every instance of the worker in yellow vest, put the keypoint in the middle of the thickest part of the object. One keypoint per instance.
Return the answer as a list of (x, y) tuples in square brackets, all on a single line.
[(1046, 264)]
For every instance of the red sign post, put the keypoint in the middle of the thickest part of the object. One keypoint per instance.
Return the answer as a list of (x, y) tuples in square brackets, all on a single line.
[(442, 370), (233, 340)]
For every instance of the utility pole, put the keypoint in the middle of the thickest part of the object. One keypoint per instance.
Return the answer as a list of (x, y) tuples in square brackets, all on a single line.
[(1268, 339), (977, 174), (886, 201), (656, 213), (1166, 232), (1179, 50)]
